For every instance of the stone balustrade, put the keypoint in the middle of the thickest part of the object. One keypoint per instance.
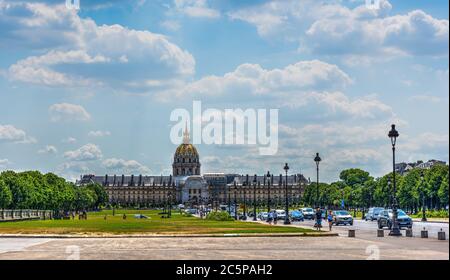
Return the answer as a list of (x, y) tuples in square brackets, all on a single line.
[(24, 214)]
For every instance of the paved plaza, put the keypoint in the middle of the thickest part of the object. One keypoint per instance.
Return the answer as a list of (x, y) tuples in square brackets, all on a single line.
[(224, 248)]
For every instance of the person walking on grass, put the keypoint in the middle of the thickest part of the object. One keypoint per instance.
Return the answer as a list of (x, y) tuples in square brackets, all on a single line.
[(330, 219), (318, 217)]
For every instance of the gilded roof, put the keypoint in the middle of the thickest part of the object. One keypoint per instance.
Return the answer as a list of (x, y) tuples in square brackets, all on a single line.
[(186, 150)]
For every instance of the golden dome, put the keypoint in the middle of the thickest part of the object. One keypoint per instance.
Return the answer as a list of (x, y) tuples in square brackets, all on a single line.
[(186, 150)]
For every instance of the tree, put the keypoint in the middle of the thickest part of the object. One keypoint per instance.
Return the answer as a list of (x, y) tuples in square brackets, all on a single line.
[(434, 178), (354, 177), (100, 194), (443, 192), (408, 193), (5, 195)]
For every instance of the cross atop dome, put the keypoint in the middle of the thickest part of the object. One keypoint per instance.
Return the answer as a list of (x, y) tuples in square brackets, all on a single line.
[(186, 137)]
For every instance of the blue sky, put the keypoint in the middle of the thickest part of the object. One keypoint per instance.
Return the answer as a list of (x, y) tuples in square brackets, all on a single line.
[(91, 91)]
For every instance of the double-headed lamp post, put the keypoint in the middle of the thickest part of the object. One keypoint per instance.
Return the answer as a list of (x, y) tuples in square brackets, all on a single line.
[(390, 191), (254, 198), (395, 230), (286, 217), (268, 191), (424, 217), (317, 159)]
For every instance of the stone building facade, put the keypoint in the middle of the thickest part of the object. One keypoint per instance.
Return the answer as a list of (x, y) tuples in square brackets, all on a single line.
[(188, 186)]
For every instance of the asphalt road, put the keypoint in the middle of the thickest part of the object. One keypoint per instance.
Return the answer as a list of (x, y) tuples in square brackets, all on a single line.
[(369, 227)]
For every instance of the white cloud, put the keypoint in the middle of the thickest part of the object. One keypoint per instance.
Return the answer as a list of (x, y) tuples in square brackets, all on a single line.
[(416, 33), (87, 152), (125, 166), (84, 53), (337, 102), (196, 9), (171, 25), (99, 133), (4, 163), (69, 140), (253, 80), (425, 98), (72, 170), (325, 27), (49, 149), (9, 133), (68, 112)]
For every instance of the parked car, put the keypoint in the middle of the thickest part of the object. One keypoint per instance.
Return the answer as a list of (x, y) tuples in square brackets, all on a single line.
[(263, 216), (242, 217), (297, 215), (385, 219), (281, 214), (192, 211), (308, 213), (342, 217), (373, 213)]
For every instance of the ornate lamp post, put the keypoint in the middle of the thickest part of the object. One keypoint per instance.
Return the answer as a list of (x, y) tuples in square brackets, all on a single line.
[(286, 217), (245, 202), (317, 159), (254, 198), (390, 191), (395, 230), (424, 217), (268, 192), (229, 200), (235, 202), (169, 206)]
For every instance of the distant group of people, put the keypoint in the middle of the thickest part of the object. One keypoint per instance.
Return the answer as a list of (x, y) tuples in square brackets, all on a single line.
[(272, 216), (82, 215), (318, 219)]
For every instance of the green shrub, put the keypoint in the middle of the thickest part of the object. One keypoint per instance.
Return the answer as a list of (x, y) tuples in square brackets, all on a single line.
[(219, 216)]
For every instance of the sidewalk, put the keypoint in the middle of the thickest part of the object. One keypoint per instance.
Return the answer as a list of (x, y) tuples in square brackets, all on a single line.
[(432, 220)]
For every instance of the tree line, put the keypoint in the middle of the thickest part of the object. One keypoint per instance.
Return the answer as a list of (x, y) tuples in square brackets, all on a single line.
[(357, 189), (34, 190)]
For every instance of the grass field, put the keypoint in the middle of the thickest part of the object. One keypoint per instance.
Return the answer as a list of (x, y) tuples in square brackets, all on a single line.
[(178, 224)]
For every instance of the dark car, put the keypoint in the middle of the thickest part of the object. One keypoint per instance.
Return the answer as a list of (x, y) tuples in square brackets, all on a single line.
[(385, 219)]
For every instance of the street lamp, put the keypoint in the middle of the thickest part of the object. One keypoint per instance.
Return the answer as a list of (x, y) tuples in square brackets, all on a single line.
[(317, 159), (389, 190), (395, 230), (286, 217), (229, 200), (235, 202), (268, 192), (245, 202), (254, 198), (424, 217)]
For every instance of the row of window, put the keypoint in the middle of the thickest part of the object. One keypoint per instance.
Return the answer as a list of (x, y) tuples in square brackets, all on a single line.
[(186, 160)]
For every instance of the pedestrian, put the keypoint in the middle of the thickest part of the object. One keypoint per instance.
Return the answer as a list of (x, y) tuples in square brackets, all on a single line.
[(270, 217), (330, 219), (124, 217), (104, 218), (318, 217), (275, 217)]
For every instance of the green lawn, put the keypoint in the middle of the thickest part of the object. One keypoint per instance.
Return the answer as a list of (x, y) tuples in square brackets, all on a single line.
[(178, 224)]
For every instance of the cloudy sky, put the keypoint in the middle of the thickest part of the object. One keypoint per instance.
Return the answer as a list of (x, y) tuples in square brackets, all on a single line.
[(91, 91)]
